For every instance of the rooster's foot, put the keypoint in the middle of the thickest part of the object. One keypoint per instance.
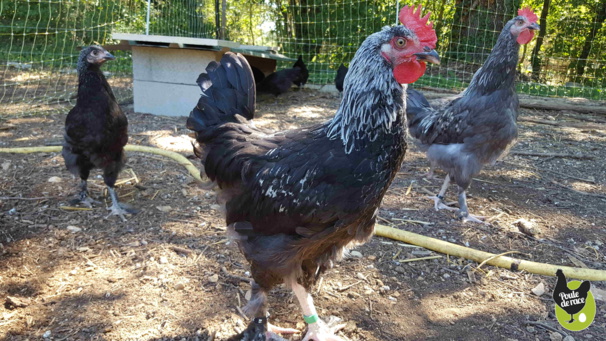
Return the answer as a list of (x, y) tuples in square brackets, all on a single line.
[(259, 327), (84, 199), (120, 209), (440, 205), (279, 330), (465, 217), (321, 331)]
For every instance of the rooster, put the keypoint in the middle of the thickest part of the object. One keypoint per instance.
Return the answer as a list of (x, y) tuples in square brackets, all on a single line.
[(479, 125), (295, 200), (96, 130)]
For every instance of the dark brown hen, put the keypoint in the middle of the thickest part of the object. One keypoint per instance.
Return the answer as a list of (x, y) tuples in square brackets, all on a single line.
[(296, 200), (96, 129)]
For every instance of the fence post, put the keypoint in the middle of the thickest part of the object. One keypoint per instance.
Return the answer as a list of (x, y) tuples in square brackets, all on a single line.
[(147, 18)]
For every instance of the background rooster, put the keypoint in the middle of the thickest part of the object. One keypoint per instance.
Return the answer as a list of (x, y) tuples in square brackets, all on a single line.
[(296, 199), (96, 129), (480, 124), (304, 75)]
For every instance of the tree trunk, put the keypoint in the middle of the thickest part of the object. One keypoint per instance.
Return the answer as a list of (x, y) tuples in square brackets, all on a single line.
[(217, 19), (223, 18), (535, 60), (597, 24), (438, 21)]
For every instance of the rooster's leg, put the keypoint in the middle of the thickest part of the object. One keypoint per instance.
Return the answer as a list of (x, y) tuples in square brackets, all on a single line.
[(430, 174), (257, 308), (83, 197), (463, 212), (439, 198), (117, 207), (319, 330), (571, 318)]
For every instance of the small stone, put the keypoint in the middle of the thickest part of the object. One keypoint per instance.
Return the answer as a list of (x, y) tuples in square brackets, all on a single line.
[(214, 278), (164, 209), (372, 257), (46, 334), (163, 260), (356, 254), (361, 276), (527, 227), (530, 329), (553, 336), (6, 165), (400, 269), (446, 276), (568, 338), (73, 228), (179, 286), (539, 289), (54, 179)]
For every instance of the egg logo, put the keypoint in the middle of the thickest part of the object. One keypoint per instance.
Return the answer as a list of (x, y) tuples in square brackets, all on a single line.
[(575, 306)]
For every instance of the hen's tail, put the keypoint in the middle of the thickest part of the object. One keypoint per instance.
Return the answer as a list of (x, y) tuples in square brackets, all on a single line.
[(228, 90), (417, 108)]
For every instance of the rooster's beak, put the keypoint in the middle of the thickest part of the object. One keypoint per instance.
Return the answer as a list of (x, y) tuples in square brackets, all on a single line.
[(534, 26), (429, 56)]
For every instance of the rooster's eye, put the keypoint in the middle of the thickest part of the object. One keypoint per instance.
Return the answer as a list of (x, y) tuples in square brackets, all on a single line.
[(519, 23), (400, 42)]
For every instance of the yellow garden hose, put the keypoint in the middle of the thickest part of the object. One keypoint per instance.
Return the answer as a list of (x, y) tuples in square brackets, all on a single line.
[(481, 256), (182, 160), (386, 231)]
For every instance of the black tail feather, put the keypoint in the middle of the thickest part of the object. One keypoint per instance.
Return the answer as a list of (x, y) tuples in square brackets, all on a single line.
[(228, 89), (417, 108)]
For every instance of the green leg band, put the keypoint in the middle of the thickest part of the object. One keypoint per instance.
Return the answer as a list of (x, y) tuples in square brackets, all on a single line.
[(311, 319)]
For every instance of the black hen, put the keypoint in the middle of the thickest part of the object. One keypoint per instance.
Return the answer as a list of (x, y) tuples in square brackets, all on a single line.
[(96, 130), (479, 125), (304, 75), (571, 300), (295, 200), (340, 78), (279, 82)]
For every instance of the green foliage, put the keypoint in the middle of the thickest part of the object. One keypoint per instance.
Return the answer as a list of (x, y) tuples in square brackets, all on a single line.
[(46, 35)]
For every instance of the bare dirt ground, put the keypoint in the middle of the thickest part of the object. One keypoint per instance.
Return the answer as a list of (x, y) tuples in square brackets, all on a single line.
[(169, 273)]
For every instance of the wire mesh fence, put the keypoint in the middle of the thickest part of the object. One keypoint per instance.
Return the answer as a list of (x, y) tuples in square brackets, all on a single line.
[(40, 40)]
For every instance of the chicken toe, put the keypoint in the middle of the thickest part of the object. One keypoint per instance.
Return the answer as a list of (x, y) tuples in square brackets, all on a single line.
[(118, 208), (321, 331)]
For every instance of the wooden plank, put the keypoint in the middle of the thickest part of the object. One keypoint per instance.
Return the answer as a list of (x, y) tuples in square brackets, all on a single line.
[(179, 41)]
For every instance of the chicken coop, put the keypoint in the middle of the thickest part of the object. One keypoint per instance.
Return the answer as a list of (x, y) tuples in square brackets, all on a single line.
[(163, 67)]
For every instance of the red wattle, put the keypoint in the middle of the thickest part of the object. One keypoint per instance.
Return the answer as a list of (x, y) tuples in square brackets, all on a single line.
[(525, 37), (407, 73)]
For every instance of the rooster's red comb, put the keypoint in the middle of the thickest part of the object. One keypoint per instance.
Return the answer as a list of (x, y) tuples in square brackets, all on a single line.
[(419, 25), (529, 14)]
